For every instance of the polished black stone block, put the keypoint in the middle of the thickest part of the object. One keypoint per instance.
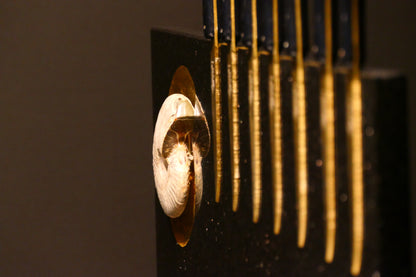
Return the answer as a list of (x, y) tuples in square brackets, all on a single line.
[(227, 243)]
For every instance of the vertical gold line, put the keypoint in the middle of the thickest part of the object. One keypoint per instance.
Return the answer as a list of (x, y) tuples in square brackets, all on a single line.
[(328, 138), (299, 116), (355, 140), (276, 124), (233, 111), (216, 105), (255, 135)]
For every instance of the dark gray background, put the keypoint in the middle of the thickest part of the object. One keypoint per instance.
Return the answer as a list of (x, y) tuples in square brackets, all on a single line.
[(76, 189)]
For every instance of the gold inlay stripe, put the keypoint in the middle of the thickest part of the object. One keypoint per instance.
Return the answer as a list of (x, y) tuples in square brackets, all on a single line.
[(276, 124), (254, 110), (355, 142), (300, 137), (328, 138), (216, 105), (233, 112)]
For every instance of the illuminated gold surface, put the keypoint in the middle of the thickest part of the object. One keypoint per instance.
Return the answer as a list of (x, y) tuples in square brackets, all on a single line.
[(299, 117), (328, 139), (216, 105), (254, 102), (182, 83), (182, 225), (233, 112), (355, 143), (276, 125)]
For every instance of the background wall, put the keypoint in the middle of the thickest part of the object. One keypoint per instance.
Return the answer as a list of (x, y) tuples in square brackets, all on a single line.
[(76, 188)]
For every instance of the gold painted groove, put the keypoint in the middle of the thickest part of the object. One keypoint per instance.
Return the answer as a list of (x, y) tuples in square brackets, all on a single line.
[(328, 139), (299, 117), (263, 53), (233, 112), (242, 47), (254, 113), (276, 124), (216, 105), (355, 142)]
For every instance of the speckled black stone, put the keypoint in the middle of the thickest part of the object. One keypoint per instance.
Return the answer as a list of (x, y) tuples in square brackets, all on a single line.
[(224, 243)]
